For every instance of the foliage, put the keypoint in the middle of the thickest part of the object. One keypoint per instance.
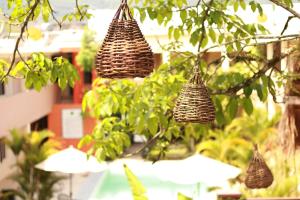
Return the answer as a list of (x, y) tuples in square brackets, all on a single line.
[(125, 107), (88, 50), (40, 70), (31, 149), (221, 25), (137, 188), (234, 144), (183, 197)]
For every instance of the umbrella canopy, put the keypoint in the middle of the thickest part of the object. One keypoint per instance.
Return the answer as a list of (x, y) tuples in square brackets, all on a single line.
[(195, 169), (72, 161)]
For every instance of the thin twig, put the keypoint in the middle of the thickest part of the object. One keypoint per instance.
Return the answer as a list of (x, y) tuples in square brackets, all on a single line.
[(147, 144), (78, 9), (286, 24), (24, 61), (53, 15)]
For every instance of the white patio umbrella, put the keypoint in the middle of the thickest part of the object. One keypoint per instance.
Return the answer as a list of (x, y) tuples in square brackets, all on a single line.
[(195, 169), (71, 161)]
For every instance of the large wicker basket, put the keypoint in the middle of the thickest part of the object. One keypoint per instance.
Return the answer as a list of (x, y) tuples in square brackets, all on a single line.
[(194, 103), (124, 53), (258, 174)]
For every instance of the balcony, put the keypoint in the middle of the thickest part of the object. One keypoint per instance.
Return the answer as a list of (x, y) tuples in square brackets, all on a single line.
[(21, 109)]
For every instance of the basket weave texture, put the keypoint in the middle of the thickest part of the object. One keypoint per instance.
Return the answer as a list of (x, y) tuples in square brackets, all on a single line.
[(194, 103), (124, 52), (258, 174)]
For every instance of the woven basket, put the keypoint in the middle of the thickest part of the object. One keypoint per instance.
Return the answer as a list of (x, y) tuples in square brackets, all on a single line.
[(194, 103), (124, 53), (258, 174)]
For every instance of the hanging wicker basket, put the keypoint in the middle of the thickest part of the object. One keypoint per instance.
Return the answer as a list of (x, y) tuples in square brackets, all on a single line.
[(194, 103), (124, 53), (258, 174)]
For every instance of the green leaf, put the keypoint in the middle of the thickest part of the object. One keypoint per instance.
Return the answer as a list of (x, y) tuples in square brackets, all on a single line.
[(232, 107), (29, 80), (180, 3), (183, 15), (195, 37), (247, 91), (221, 38), (180, 196), (153, 124), (84, 141), (243, 4), (160, 18), (204, 42), (170, 31), (137, 188), (45, 11), (176, 33), (235, 6), (262, 92), (248, 106), (260, 10), (100, 154), (212, 35), (142, 15), (152, 13), (253, 6)]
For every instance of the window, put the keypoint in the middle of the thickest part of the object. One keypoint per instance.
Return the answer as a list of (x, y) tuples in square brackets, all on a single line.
[(2, 150), (87, 77), (2, 89), (40, 124)]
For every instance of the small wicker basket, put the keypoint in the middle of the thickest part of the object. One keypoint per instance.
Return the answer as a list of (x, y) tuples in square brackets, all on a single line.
[(124, 53), (258, 174), (194, 103)]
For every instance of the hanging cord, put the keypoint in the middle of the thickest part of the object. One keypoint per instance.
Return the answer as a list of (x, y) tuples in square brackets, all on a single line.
[(256, 156), (123, 12), (196, 69)]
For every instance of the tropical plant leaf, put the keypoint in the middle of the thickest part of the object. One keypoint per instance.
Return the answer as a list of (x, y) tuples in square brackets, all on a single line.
[(137, 188)]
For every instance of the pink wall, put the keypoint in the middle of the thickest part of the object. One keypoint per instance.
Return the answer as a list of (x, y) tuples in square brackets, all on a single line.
[(23, 108)]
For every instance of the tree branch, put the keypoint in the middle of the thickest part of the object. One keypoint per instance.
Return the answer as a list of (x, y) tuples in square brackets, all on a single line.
[(280, 37), (284, 6), (78, 9), (268, 65), (23, 28)]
